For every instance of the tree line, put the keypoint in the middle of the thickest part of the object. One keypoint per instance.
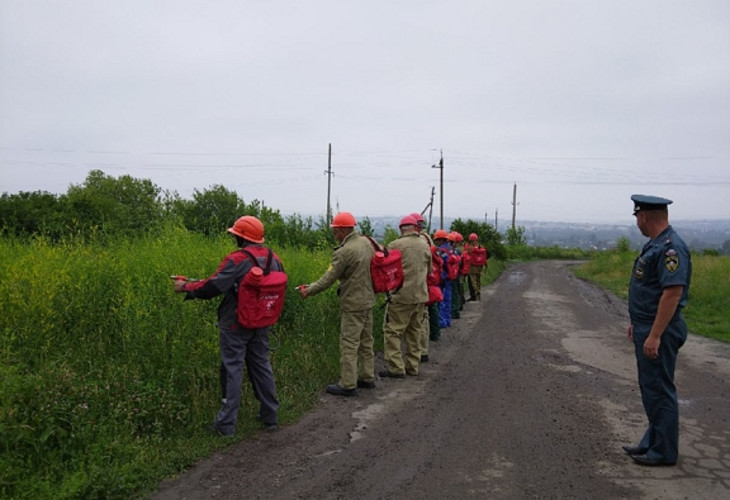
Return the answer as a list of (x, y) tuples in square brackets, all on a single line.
[(125, 207)]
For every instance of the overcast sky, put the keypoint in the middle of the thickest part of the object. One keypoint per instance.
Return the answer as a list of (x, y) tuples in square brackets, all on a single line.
[(579, 103)]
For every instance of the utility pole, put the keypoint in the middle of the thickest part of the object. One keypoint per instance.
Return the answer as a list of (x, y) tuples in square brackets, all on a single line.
[(429, 207), (441, 167), (496, 214), (329, 173), (514, 205)]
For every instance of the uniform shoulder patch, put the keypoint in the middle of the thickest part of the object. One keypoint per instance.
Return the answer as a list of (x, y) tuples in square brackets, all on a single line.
[(671, 260)]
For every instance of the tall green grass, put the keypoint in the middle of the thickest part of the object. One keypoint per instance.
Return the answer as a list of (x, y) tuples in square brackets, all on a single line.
[(107, 377), (708, 310), (526, 253)]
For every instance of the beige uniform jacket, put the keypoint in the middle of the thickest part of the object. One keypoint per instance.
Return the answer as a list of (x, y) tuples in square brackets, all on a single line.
[(426, 237), (416, 265), (350, 265)]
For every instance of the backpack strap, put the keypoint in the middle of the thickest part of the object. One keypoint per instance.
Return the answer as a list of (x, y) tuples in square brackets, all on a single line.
[(255, 261), (376, 245)]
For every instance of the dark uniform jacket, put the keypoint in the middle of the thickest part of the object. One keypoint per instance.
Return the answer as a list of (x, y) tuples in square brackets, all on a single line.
[(225, 282), (663, 262)]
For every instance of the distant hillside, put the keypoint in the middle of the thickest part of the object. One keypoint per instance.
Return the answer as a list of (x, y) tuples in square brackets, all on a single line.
[(699, 235)]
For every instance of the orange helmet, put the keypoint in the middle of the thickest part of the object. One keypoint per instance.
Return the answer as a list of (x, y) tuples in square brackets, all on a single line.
[(473, 237), (249, 228), (440, 234), (455, 236), (344, 219)]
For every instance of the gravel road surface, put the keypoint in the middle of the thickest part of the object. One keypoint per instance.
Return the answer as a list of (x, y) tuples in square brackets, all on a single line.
[(529, 395)]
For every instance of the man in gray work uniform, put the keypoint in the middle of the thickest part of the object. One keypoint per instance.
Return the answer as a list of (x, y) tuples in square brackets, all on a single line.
[(239, 345)]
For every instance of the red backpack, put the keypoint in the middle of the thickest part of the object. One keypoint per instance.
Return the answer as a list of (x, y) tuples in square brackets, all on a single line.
[(260, 294), (433, 278), (434, 294), (386, 268), (478, 256), (465, 263), (452, 266)]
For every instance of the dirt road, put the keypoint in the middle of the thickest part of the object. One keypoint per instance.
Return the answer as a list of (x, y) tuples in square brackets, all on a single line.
[(529, 395)]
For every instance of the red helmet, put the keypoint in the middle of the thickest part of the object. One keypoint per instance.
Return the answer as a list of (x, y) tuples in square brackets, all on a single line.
[(344, 219), (418, 217), (455, 236), (408, 220), (440, 234), (473, 237), (249, 228)]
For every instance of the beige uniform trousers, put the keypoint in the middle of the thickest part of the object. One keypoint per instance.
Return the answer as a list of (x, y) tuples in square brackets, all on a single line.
[(423, 337), (475, 274), (357, 360), (404, 323)]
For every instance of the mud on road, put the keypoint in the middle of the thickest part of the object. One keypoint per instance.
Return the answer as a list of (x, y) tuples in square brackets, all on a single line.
[(529, 395)]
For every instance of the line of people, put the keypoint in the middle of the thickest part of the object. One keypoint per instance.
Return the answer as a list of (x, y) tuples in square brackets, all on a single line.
[(435, 274), (429, 298)]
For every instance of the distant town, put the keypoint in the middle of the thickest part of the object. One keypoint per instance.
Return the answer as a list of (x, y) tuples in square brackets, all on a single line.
[(699, 235)]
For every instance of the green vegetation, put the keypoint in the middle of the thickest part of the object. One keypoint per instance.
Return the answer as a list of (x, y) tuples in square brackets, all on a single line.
[(104, 207), (100, 360), (107, 377), (524, 252), (488, 236), (709, 298)]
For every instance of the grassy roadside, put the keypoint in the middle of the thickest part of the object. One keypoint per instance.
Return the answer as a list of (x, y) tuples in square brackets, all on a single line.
[(107, 377), (708, 310)]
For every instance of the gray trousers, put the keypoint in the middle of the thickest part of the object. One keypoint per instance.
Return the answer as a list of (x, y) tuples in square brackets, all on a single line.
[(252, 348)]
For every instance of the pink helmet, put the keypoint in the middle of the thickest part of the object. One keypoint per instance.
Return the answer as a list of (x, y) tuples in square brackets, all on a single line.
[(418, 217)]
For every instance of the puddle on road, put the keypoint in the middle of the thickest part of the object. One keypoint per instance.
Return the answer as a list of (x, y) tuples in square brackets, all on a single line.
[(515, 277)]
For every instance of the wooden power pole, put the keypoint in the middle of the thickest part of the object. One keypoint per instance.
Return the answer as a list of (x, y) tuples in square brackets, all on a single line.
[(328, 217), (440, 166), (514, 205)]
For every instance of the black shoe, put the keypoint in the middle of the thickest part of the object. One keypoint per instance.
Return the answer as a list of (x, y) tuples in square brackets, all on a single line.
[(366, 385), (339, 391), (434, 339), (651, 462), (271, 427), (412, 374), (424, 358), (387, 374), (634, 450), (214, 429)]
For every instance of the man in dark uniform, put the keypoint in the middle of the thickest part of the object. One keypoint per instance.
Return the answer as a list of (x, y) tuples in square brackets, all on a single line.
[(657, 294)]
